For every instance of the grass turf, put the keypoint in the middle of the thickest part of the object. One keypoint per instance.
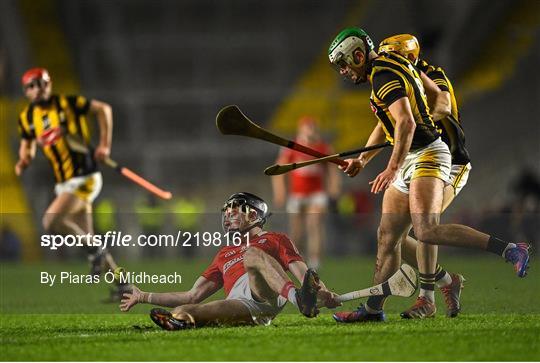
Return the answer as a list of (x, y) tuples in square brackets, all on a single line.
[(500, 321)]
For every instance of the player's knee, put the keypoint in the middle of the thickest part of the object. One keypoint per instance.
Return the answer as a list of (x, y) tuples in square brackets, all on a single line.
[(387, 240), (253, 257), (425, 233), (50, 222)]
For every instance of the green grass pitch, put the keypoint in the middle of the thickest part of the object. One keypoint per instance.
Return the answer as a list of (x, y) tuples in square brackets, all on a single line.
[(500, 321)]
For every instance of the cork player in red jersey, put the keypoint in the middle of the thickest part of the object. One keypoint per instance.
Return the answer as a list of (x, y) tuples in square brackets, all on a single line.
[(308, 192), (253, 275)]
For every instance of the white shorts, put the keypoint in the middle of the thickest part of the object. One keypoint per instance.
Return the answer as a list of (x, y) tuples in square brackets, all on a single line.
[(296, 202), (433, 160), (459, 176), (86, 187), (262, 313)]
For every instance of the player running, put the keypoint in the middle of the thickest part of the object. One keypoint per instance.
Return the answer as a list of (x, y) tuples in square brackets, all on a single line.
[(449, 125), (309, 189), (47, 121), (419, 167), (253, 275)]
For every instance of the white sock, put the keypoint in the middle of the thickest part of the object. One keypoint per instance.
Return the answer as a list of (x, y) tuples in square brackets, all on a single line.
[(444, 281), (291, 296), (428, 294), (313, 262), (510, 245)]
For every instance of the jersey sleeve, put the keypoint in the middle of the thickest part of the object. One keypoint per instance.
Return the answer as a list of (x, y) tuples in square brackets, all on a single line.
[(439, 77), (80, 104), (23, 132), (423, 66), (213, 273), (287, 251), (388, 87)]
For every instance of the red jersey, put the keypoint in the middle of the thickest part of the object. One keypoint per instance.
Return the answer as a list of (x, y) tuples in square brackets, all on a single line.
[(310, 179), (228, 265)]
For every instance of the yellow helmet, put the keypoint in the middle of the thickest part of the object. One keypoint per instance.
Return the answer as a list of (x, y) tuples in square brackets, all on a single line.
[(404, 44)]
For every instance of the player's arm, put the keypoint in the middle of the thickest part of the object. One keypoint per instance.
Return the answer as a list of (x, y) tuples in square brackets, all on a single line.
[(27, 147), (439, 101), (202, 289), (355, 165), (403, 134), (377, 136), (103, 113), (27, 152), (279, 183)]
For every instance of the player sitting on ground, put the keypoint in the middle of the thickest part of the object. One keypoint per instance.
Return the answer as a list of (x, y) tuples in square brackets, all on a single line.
[(253, 275)]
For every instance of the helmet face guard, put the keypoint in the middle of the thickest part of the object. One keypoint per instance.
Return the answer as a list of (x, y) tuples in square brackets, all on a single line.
[(246, 203), (342, 48)]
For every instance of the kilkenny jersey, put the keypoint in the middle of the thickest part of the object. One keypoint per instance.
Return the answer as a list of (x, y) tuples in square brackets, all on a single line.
[(228, 265), (49, 123), (393, 77), (450, 127)]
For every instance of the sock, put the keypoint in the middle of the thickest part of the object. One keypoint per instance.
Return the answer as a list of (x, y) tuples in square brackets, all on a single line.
[(442, 277), (288, 291), (374, 304), (313, 262), (427, 286), (498, 246)]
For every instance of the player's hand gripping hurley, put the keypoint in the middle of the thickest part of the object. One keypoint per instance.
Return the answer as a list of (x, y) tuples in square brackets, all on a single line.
[(278, 169), (79, 146), (402, 283)]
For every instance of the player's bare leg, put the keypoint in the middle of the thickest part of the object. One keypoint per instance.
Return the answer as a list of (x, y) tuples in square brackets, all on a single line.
[(59, 216), (450, 284), (69, 214), (427, 230), (314, 232), (429, 205), (394, 224), (85, 220), (230, 312), (268, 280), (409, 244)]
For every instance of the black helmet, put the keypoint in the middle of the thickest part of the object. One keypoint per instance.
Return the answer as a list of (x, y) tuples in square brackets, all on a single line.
[(247, 202)]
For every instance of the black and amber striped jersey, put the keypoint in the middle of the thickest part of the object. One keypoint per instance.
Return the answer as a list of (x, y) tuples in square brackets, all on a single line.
[(393, 77), (49, 123), (450, 127)]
